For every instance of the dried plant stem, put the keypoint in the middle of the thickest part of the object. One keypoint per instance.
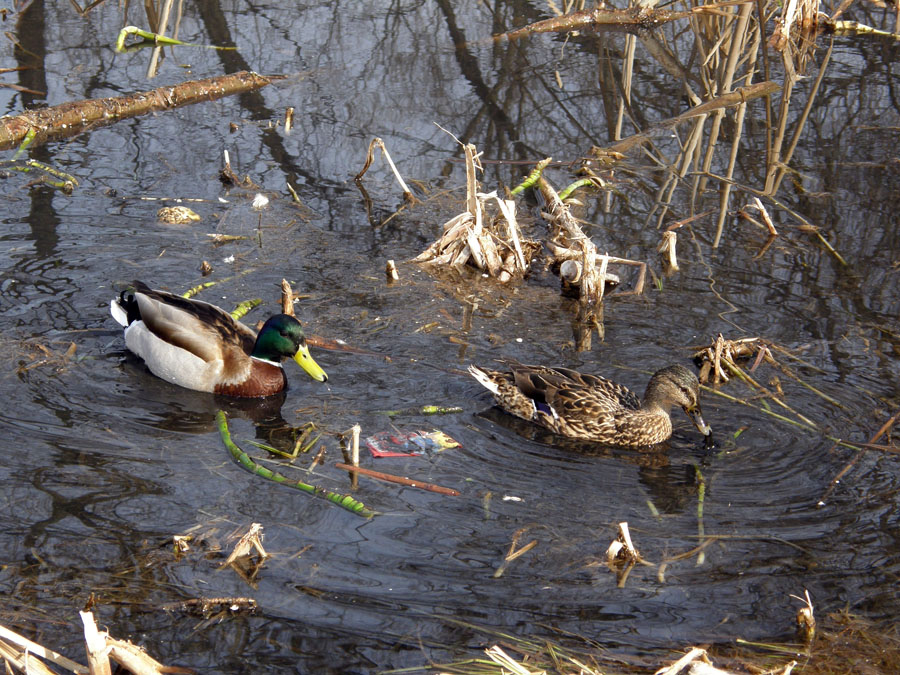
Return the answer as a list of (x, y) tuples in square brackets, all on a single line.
[(513, 552), (43, 652), (801, 122), (742, 374), (370, 156)]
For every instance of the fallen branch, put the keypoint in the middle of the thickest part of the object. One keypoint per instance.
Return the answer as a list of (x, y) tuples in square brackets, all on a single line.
[(69, 119)]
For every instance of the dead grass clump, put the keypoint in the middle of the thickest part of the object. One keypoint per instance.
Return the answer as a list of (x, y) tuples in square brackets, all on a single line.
[(490, 242)]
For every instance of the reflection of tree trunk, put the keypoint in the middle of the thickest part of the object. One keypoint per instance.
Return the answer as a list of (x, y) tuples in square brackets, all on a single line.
[(252, 101), (30, 52), (468, 66)]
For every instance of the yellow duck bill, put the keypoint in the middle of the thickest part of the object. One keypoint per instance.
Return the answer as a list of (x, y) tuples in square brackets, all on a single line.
[(305, 361)]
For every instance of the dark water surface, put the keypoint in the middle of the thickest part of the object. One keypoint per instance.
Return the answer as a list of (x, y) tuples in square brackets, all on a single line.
[(102, 463)]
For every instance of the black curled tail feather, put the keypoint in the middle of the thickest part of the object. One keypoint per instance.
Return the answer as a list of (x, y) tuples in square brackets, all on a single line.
[(130, 305)]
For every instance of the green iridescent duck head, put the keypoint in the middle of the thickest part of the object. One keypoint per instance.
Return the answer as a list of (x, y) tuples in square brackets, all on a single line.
[(282, 337)]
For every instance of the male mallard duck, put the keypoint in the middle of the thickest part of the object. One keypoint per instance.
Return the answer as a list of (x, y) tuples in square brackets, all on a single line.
[(199, 346), (593, 408)]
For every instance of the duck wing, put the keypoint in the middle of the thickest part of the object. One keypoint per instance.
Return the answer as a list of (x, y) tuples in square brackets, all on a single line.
[(572, 394), (195, 326)]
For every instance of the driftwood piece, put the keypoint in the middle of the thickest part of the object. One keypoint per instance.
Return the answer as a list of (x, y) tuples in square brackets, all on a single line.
[(69, 119)]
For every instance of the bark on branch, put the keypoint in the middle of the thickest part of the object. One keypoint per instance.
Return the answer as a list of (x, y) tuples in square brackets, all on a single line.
[(69, 119)]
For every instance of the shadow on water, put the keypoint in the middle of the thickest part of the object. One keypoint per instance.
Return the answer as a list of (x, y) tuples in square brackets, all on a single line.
[(103, 463)]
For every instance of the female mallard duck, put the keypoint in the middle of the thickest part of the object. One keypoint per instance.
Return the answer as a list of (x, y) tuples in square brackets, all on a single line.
[(199, 346), (593, 408)]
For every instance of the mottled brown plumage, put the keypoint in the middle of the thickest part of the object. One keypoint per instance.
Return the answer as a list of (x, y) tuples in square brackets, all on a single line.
[(593, 408)]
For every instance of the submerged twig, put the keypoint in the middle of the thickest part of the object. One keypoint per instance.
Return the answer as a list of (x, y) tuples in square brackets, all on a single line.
[(859, 453), (513, 552), (402, 480)]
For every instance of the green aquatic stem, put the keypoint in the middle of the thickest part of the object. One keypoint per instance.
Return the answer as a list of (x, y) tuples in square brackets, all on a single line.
[(782, 418), (344, 501), (532, 178), (701, 498), (421, 410), (244, 308), (29, 137), (191, 292), (566, 192), (156, 39), (67, 182)]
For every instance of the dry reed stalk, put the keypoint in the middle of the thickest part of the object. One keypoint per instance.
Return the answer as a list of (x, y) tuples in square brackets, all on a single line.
[(806, 620), (390, 271), (95, 646), (250, 541), (160, 29), (134, 659), (509, 664), (38, 650), (19, 652), (722, 355), (627, 76), (742, 29), (287, 298), (667, 249), (695, 657), (781, 169), (350, 450), (377, 143)]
